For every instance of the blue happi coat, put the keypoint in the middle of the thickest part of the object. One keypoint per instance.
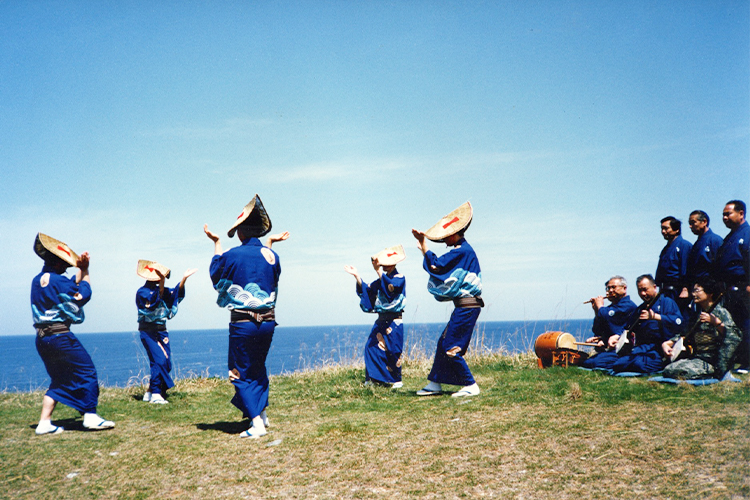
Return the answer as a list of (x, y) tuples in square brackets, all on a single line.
[(154, 309), (612, 319), (246, 277), (732, 264), (385, 296), (701, 256), (58, 300), (672, 267), (455, 274)]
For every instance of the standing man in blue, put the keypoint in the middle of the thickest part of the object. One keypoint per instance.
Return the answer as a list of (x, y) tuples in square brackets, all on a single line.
[(609, 321), (671, 273), (702, 254), (454, 276), (657, 324), (156, 304), (56, 303), (733, 269), (247, 278), (387, 297)]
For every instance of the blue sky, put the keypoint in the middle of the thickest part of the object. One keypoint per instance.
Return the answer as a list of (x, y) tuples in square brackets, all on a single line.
[(572, 127)]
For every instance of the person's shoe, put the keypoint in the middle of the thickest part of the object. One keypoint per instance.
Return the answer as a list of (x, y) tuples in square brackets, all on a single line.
[(469, 390), (147, 396), (157, 399), (367, 383), (264, 417), (93, 422), (743, 370), (253, 433), (47, 428), (431, 389), (397, 385)]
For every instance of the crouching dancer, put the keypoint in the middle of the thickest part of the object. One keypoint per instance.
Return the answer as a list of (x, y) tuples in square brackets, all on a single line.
[(56, 303), (454, 276), (246, 278), (385, 296), (156, 304)]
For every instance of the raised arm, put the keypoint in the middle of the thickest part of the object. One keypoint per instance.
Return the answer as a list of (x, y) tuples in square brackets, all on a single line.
[(213, 237), (421, 240), (185, 276), (273, 238), (353, 271), (83, 268)]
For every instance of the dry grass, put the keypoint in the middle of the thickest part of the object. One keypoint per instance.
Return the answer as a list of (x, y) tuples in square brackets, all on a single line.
[(530, 434)]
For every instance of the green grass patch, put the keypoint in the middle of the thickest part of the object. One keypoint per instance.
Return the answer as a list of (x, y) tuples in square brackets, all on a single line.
[(555, 433)]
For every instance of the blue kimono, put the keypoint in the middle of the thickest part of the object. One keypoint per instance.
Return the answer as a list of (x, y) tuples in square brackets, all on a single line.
[(732, 266), (609, 320), (702, 255), (646, 355), (56, 303), (385, 296), (454, 276), (246, 278), (153, 313)]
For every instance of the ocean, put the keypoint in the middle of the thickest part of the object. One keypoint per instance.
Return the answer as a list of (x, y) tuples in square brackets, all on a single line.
[(121, 360)]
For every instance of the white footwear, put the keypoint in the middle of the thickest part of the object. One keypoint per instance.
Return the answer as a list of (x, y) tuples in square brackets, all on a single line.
[(147, 396), (469, 390), (46, 427), (264, 417), (367, 383), (253, 433), (431, 389), (397, 385), (157, 399), (93, 422)]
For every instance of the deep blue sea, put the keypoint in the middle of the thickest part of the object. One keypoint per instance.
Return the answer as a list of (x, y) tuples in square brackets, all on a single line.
[(121, 360)]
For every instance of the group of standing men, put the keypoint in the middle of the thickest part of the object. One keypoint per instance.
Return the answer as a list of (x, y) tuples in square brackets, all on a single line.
[(700, 292)]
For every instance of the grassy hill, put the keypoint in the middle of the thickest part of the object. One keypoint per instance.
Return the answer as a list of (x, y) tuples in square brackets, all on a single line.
[(556, 433)]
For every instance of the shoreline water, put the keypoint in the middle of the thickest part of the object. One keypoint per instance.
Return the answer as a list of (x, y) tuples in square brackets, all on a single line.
[(121, 360)]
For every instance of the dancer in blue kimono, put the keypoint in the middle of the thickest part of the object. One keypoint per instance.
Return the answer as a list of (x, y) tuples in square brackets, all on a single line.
[(609, 321), (156, 304), (56, 303), (454, 276), (246, 278), (657, 324), (385, 296)]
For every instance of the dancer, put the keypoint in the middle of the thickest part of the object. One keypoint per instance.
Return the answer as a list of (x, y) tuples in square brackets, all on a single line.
[(156, 304), (454, 276), (246, 278), (385, 296), (56, 303)]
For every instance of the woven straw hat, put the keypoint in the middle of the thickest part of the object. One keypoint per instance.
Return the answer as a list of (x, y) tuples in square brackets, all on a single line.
[(46, 246), (255, 216), (452, 223), (147, 270), (390, 256)]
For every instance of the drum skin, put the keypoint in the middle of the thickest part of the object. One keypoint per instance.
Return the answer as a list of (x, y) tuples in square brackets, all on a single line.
[(557, 349)]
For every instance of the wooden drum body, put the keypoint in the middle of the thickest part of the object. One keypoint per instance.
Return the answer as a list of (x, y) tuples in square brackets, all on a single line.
[(557, 349)]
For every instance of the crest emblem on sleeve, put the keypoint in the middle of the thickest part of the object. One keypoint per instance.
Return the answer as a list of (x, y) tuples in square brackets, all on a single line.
[(611, 312), (268, 255)]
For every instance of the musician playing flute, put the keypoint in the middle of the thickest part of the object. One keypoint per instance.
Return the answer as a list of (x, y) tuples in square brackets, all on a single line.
[(657, 323), (713, 340), (608, 321)]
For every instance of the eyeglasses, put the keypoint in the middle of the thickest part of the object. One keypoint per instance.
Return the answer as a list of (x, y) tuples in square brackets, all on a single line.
[(612, 287)]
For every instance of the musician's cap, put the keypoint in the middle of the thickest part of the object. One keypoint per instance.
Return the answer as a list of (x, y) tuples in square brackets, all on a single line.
[(390, 256), (456, 221), (48, 247), (147, 270), (253, 217)]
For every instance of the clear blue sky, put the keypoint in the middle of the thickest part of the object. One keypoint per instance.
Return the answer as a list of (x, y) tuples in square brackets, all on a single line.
[(573, 128)]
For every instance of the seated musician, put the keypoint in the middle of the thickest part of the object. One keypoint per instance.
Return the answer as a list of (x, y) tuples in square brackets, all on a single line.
[(608, 321), (658, 319), (712, 337)]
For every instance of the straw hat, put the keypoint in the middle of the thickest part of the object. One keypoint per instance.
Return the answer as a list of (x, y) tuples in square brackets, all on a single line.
[(452, 223), (46, 246), (254, 215), (147, 270), (390, 256)]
